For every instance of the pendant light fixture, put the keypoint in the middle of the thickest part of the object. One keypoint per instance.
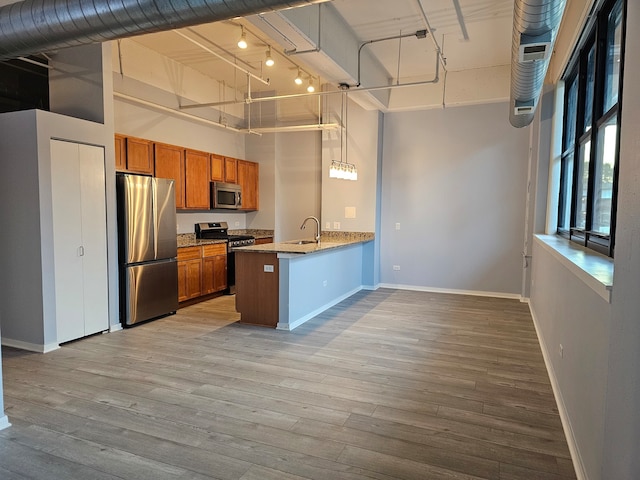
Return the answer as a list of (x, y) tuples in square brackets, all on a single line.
[(242, 42), (341, 169)]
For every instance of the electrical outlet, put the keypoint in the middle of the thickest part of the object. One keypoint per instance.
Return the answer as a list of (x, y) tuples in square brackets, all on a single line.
[(561, 351), (237, 224), (327, 225), (396, 267), (268, 268), (324, 283), (336, 225), (398, 226)]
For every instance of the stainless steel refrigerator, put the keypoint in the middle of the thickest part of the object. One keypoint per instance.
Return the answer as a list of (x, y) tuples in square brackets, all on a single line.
[(147, 242)]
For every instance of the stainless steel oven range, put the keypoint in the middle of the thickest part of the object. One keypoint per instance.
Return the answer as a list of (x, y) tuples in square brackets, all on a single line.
[(220, 231)]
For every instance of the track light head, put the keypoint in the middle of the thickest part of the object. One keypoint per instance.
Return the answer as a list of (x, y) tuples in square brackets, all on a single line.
[(269, 62), (310, 87), (242, 43), (298, 79)]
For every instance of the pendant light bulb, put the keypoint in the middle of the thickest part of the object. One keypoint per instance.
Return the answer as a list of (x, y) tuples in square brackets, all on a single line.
[(242, 43), (298, 78), (269, 62), (310, 87)]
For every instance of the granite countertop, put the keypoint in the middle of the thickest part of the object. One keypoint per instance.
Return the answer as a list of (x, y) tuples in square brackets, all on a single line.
[(328, 241)]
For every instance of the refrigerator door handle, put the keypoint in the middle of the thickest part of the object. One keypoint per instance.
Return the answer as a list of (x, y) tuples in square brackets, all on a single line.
[(154, 208)]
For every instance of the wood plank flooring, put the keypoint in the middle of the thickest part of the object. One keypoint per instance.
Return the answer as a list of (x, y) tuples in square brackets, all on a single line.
[(386, 385)]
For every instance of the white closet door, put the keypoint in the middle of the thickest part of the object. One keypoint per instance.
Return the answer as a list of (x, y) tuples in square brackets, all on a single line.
[(94, 238), (80, 239), (67, 240)]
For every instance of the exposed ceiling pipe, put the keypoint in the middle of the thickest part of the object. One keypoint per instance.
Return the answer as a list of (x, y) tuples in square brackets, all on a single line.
[(535, 26), (35, 26), (322, 93)]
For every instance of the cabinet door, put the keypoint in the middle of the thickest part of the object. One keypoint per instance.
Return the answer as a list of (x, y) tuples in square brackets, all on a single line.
[(80, 239), (248, 180), (182, 282), (169, 163), (230, 170), (208, 283), (263, 241), (197, 180), (220, 272), (121, 153), (217, 168), (194, 278), (139, 156)]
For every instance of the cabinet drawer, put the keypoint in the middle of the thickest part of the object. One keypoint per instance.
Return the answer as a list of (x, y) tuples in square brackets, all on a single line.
[(189, 253), (213, 250)]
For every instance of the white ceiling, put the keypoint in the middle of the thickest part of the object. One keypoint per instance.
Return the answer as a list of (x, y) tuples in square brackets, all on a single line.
[(473, 34)]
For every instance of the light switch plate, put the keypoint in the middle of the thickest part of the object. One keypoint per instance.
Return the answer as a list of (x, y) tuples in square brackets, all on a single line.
[(336, 225), (349, 212)]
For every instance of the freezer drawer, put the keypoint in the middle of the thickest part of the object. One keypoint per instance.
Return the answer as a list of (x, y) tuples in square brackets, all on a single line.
[(151, 290)]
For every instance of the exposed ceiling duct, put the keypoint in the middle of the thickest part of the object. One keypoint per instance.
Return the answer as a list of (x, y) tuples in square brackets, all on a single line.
[(36, 26), (535, 26)]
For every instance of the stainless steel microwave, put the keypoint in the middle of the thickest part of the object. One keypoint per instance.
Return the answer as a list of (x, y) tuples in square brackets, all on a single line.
[(226, 195)]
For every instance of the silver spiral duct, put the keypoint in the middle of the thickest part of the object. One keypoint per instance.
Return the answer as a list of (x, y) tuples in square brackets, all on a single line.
[(36, 26), (531, 19)]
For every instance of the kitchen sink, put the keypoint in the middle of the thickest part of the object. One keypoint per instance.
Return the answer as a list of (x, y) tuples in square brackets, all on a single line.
[(301, 242)]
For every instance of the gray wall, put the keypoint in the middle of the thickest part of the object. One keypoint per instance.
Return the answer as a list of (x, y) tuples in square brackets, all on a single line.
[(598, 379), (455, 181)]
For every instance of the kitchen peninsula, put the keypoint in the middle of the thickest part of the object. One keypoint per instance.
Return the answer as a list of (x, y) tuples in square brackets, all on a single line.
[(283, 285)]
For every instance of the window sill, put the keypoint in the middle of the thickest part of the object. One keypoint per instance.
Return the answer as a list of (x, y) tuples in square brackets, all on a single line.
[(594, 269)]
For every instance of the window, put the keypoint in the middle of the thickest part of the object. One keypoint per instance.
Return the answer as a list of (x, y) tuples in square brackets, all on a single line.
[(591, 125)]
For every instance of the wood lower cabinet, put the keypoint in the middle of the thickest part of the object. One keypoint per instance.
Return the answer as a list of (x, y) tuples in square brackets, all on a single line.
[(201, 270), (197, 180), (248, 175), (214, 268), (169, 163), (189, 273)]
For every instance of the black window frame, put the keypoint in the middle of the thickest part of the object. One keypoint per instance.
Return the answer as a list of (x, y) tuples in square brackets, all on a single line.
[(595, 35)]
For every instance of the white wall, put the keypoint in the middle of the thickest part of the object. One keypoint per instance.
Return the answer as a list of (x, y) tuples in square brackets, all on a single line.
[(455, 181)]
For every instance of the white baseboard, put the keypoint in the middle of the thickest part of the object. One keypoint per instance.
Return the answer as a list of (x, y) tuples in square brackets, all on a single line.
[(299, 321), (477, 293), (578, 464), (32, 347), (115, 328), (371, 288), (4, 422)]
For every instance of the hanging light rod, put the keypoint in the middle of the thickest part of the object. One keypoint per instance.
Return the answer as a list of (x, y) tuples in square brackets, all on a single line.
[(215, 54), (331, 92)]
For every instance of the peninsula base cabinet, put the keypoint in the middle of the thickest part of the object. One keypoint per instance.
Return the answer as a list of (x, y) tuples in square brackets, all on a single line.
[(80, 239)]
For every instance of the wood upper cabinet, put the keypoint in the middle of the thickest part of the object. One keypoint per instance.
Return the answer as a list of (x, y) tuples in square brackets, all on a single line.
[(230, 170), (121, 153), (217, 168), (169, 163), (139, 155), (248, 176), (224, 169), (197, 179)]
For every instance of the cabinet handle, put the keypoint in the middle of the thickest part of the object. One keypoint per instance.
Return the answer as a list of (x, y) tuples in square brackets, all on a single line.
[(81, 251)]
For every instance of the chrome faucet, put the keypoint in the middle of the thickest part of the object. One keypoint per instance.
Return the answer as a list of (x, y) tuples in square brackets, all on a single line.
[(317, 227)]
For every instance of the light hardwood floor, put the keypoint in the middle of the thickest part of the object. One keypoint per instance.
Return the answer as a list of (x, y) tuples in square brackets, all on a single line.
[(386, 385)]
